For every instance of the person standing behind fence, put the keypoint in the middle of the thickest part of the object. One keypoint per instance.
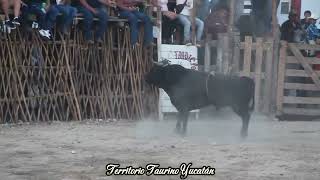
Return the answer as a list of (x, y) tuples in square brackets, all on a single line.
[(61, 7), (184, 11), (16, 11), (305, 21), (217, 22), (289, 27), (90, 9), (127, 9)]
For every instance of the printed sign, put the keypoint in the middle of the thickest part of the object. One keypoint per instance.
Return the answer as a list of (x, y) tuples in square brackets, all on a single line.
[(185, 56)]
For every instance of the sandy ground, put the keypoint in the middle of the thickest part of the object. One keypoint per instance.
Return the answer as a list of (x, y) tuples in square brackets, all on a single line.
[(81, 150)]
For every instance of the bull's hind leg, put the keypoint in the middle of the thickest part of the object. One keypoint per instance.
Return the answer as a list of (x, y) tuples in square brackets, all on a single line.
[(182, 118), (245, 116), (178, 124), (245, 123)]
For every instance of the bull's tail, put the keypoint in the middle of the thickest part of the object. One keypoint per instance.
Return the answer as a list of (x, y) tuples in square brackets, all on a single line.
[(252, 102)]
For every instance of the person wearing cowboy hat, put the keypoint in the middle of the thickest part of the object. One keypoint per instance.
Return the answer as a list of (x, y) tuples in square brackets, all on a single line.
[(312, 30)]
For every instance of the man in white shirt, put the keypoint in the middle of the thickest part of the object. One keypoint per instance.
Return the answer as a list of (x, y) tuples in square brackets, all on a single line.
[(185, 19)]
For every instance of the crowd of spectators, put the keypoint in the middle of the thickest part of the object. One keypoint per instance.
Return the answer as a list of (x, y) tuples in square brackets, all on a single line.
[(305, 30), (178, 15), (175, 14)]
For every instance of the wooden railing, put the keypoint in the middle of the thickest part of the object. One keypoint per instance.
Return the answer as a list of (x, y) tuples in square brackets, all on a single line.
[(68, 79)]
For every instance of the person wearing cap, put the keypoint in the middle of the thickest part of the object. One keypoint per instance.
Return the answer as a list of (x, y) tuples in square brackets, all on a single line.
[(312, 32), (305, 22)]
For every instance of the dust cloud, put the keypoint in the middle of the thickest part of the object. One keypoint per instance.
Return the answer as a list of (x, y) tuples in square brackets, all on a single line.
[(216, 127)]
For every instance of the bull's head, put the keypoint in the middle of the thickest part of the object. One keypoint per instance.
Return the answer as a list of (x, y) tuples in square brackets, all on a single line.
[(156, 74), (163, 75)]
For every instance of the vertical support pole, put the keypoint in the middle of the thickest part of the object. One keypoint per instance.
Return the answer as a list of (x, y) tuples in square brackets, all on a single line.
[(276, 45), (232, 15), (281, 76), (236, 53), (268, 77), (274, 18), (225, 55), (159, 42), (258, 70), (219, 60), (247, 56), (207, 55), (193, 21)]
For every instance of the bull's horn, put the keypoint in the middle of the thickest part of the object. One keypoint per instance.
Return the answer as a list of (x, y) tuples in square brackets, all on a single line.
[(157, 63)]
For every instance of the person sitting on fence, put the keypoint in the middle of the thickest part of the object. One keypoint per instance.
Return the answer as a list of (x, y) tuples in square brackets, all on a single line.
[(169, 21), (127, 9), (68, 13), (217, 22), (42, 10), (305, 21), (289, 27), (184, 11), (16, 11), (90, 9), (312, 32)]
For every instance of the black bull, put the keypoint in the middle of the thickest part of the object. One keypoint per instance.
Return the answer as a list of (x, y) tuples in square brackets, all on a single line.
[(189, 90)]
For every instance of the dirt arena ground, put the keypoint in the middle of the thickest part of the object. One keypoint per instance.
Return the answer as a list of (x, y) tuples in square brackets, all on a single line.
[(81, 150)]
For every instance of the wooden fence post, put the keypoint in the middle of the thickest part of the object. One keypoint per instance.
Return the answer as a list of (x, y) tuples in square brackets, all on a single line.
[(219, 60), (281, 76), (207, 55), (232, 15), (268, 78), (247, 56), (236, 53), (225, 55), (258, 70), (193, 22), (276, 45)]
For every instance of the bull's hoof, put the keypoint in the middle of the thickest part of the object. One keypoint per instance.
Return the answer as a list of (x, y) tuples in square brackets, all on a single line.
[(244, 134), (183, 134), (177, 130)]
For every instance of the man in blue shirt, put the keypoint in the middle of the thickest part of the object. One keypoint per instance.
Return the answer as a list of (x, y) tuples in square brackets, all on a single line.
[(312, 30)]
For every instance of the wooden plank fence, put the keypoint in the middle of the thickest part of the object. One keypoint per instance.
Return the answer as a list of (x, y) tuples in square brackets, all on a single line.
[(249, 58), (298, 90)]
